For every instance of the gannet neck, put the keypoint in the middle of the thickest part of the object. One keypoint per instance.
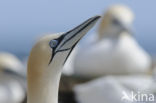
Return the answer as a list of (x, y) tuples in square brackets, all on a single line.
[(43, 79), (44, 88)]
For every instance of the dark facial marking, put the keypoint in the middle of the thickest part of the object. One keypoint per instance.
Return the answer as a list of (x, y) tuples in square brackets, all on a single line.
[(59, 41)]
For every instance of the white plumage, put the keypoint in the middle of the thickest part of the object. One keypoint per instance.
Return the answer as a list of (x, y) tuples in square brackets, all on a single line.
[(105, 57), (112, 89)]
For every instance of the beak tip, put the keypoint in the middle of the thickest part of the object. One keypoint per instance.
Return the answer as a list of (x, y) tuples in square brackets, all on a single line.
[(97, 17)]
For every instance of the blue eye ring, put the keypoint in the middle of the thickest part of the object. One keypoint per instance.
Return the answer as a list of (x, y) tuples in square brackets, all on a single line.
[(53, 43)]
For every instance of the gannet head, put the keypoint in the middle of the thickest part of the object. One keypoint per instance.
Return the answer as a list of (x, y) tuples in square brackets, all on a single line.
[(117, 18), (51, 51)]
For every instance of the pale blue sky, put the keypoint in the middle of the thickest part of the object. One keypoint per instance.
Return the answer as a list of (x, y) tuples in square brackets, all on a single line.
[(21, 21)]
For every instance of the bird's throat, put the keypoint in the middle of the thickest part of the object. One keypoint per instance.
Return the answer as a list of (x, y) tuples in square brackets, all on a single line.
[(43, 89)]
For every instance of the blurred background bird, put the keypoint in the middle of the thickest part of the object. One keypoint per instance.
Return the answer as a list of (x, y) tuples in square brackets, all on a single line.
[(110, 89), (12, 79), (113, 50)]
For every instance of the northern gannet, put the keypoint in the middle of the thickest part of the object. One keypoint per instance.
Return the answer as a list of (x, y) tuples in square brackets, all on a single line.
[(114, 50), (12, 80), (46, 60)]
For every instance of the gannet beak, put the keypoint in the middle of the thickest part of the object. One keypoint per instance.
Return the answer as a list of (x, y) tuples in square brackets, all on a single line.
[(71, 38)]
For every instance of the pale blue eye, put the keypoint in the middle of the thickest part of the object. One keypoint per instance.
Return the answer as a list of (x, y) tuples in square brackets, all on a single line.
[(53, 43)]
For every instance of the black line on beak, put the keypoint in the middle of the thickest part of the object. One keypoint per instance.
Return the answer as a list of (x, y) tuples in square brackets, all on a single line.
[(77, 31), (62, 37), (71, 51), (84, 26)]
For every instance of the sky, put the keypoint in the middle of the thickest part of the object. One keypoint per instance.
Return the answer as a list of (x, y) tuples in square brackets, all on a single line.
[(23, 21)]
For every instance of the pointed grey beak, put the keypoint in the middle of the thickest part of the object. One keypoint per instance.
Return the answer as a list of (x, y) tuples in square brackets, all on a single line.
[(68, 40), (71, 38)]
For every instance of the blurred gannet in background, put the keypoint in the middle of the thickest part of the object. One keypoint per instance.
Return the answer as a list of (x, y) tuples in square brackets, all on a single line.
[(46, 60), (114, 49), (115, 89), (12, 79)]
